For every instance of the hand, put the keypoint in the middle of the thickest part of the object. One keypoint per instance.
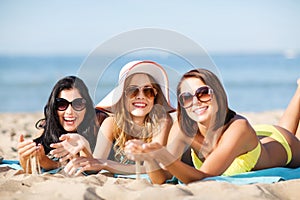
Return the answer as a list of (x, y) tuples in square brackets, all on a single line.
[(25, 149), (28, 148), (81, 164), (70, 146), (139, 151)]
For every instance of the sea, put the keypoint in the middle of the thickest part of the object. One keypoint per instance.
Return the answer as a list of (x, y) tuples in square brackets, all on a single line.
[(253, 82)]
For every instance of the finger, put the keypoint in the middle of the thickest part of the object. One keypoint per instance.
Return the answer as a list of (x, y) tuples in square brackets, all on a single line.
[(129, 149), (83, 167), (25, 143), (28, 152), (68, 167), (132, 151), (65, 158), (57, 150), (60, 152), (21, 138), (64, 137), (73, 170), (131, 142), (56, 145), (77, 161), (31, 146), (71, 167)]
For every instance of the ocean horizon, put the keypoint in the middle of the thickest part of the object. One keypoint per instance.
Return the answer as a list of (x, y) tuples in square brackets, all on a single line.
[(253, 82)]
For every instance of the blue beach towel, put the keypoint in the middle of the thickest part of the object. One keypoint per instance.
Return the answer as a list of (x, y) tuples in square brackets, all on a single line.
[(14, 164), (270, 175)]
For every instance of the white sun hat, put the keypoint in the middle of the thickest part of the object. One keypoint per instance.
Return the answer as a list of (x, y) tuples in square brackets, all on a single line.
[(147, 67)]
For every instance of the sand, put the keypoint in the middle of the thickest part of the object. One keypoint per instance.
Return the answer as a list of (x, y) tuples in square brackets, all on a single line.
[(14, 185)]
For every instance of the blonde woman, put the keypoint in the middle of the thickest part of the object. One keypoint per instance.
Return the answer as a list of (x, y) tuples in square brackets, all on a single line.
[(139, 108)]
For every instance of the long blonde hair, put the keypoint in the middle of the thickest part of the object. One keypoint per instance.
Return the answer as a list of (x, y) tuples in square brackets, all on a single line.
[(124, 127)]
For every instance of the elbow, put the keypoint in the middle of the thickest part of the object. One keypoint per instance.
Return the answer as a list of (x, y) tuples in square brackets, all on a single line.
[(159, 181), (191, 179), (187, 181)]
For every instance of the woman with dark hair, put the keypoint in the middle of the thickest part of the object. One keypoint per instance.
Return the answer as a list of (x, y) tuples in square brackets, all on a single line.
[(221, 141), (69, 110)]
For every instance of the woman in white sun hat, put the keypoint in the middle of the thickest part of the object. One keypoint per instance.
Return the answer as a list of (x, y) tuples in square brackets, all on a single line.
[(139, 108)]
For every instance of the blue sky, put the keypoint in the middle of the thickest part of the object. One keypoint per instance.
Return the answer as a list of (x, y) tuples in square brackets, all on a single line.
[(77, 27)]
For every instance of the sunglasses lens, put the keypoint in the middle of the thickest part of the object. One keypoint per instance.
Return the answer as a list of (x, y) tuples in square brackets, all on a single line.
[(149, 92), (61, 104), (203, 94), (131, 92), (186, 99), (79, 104)]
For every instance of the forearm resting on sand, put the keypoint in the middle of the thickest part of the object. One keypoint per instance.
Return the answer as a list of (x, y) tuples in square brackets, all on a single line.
[(156, 173), (119, 168)]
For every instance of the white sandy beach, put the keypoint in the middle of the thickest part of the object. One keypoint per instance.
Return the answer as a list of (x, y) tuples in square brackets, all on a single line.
[(14, 185)]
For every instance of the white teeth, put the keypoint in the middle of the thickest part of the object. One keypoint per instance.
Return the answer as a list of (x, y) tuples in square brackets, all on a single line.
[(69, 118), (200, 110), (139, 104)]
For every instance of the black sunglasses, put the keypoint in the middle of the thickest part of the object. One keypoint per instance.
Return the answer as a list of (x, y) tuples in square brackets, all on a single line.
[(77, 104), (203, 94), (133, 91)]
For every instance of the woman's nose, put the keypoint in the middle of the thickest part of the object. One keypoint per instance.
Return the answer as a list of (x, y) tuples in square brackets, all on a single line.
[(69, 109), (195, 100), (140, 94)]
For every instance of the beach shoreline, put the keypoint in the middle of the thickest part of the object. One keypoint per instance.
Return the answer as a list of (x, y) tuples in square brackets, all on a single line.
[(21, 186)]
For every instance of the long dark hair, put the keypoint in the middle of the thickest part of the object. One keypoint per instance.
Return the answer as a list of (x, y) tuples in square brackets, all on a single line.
[(223, 115), (52, 127)]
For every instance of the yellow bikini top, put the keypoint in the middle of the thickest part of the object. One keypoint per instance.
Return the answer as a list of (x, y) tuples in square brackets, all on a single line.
[(241, 164)]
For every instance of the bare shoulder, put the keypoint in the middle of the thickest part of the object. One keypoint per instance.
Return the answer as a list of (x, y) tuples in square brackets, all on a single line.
[(240, 132), (239, 127), (177, 141), (240, 122), (108, 121), (107, 127), (177, 133)]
